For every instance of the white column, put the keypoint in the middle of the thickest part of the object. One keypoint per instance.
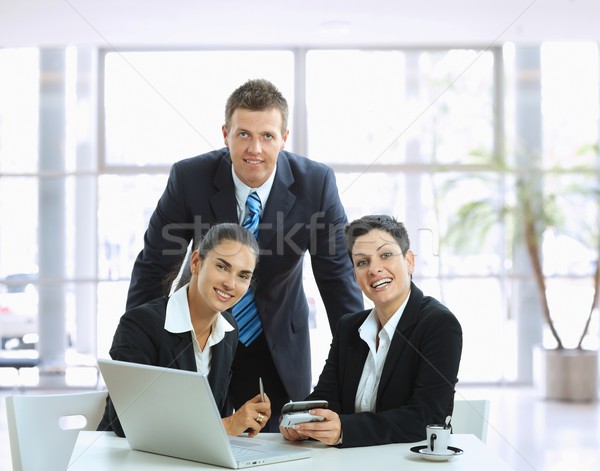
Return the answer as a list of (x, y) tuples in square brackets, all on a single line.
[(299, 133), (86, 204), (51, 228), (528, 117)]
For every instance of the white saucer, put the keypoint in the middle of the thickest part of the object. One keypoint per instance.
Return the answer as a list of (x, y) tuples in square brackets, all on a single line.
[(427, 455)]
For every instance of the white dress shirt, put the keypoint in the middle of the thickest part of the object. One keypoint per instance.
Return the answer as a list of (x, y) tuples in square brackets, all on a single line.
[(178, 320), (242, 191), (366, 395)]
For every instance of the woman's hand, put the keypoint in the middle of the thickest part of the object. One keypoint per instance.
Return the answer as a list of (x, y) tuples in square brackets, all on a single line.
[(252, 416), (328, 431)]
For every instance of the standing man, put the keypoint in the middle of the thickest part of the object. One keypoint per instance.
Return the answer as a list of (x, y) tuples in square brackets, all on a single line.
[(292, 205)]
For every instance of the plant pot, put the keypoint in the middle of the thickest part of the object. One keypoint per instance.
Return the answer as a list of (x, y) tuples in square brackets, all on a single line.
[(567, 374)]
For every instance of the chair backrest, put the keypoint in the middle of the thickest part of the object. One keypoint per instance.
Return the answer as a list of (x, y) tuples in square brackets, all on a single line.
[(43, 429), (471, 416)]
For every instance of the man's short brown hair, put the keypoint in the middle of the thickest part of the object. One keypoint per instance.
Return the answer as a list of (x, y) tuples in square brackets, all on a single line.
[(257, 95)]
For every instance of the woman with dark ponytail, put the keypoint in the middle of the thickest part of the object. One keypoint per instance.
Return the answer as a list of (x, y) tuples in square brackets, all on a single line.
[(192, 330)]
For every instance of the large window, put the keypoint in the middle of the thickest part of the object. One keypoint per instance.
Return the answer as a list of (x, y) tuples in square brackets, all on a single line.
[(396, 126), (164, 106), (394, 107), (570, 112), (18, 197), (419, 134)]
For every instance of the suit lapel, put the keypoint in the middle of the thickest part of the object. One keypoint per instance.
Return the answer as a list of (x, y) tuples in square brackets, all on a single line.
[(357, 351), (400, 341), (279, 204), (220, 367), (223, 202), (183, 351)]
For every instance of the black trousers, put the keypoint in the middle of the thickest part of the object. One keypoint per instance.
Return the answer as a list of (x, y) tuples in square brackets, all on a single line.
[(250, 364)]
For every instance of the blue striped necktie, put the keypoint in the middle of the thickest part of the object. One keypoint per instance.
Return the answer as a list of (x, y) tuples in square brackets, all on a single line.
[(245, 311)]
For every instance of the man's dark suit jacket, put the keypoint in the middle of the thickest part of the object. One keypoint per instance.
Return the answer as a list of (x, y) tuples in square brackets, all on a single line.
[(303, 213), (417, 382), (141, 338)]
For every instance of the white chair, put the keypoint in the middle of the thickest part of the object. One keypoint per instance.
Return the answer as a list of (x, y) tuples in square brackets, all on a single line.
[(471, 417), (43, 429)]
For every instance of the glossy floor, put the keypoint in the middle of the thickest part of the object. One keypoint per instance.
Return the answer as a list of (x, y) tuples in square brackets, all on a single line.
[(530, 433), (527, 432)]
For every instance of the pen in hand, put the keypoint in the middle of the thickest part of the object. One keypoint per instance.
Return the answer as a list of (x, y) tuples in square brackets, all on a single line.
[(261, 389)]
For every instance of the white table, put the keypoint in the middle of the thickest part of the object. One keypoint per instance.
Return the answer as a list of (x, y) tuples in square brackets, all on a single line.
[(104, 450)]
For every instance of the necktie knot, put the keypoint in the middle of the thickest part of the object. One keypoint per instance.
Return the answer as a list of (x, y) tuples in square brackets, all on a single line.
[(254, 203), (254, 206)]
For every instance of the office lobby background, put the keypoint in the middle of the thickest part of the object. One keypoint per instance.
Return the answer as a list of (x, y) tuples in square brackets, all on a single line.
[(421, 108)]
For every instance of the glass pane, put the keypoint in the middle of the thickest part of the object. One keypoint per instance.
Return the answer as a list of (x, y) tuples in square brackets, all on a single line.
[(382, 107), (572, 200), (487, 339), (19, 263), (165, 106), (18, 312), (569, 102), (121, 226), (469, 208), (355, 106), (371, 193), (43, 248), (112, 297), (19, 97), (18, 237), (430, 206), (454, 110)]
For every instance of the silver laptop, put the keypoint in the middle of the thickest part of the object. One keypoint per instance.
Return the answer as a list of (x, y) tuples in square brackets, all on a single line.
[(173, 412)]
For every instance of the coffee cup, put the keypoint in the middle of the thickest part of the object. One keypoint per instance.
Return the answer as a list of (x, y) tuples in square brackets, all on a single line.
[(437, 439)]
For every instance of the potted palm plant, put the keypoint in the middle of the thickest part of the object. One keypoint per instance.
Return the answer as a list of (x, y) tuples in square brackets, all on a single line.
[(562, 372)]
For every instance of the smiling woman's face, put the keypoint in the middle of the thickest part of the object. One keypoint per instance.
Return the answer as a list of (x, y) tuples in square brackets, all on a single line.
[(381, 271), (221, 279)]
